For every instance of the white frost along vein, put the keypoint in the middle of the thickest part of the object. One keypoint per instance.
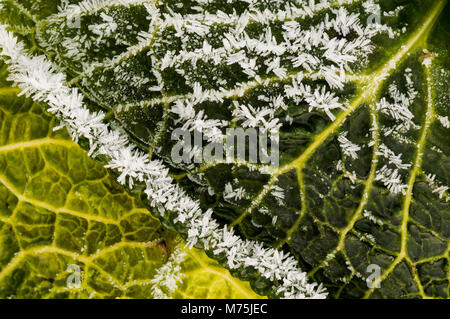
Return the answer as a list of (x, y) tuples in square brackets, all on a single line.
[(330, 65), (393, 158), (169, 275), (400, 112), (289, 12), (444, 121), (36, 77), (93, 6), (348, 148), (437, 187), (239, 48), (237, 44), (233, 194), (399, 108)]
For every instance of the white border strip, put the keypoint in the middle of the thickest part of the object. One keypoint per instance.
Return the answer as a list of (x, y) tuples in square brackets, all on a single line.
[(37, 78)]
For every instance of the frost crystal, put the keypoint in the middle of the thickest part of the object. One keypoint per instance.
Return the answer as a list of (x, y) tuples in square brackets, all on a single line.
[(169, 276), (347, 146)]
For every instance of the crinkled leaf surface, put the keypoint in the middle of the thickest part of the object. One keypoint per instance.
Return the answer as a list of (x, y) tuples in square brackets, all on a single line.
[(60, 209), (205, 278), (364, 170)]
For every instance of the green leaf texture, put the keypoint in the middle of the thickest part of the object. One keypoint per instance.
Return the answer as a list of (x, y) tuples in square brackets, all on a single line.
[(205, 278), (360, 184), (60, 212)]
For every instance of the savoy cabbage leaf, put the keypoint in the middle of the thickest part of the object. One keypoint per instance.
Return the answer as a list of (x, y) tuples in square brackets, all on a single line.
[(62, 215), (357, 92)]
